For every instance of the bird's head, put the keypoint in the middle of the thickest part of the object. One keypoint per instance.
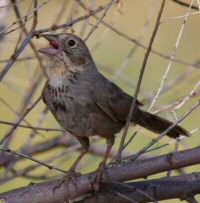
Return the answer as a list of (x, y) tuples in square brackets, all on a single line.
[(68, 49), (68, 55)]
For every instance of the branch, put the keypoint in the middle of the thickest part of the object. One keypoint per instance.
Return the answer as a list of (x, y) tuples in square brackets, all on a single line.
[(25, 42), (59, 141), (72, 22), (140, 80), (15, 56), (138, 43), (185, 4), (158, 189), (47, 191), (20, 120)]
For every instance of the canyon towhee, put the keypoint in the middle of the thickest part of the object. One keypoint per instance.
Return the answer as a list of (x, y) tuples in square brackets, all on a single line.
[(86, 103)]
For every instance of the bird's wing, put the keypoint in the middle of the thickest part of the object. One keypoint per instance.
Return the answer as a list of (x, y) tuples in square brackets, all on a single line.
[(112, 100), (105, 109)]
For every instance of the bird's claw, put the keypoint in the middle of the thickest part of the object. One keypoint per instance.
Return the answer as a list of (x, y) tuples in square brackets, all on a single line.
[(72, 176), (98, 176)]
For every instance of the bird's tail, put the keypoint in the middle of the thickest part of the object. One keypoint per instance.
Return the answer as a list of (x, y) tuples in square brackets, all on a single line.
[(157, 124)]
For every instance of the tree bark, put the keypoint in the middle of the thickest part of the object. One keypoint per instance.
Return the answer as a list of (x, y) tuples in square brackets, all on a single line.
[(82, 187)]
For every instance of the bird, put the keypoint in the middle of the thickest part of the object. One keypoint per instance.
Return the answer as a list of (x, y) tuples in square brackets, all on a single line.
[(86, 103)]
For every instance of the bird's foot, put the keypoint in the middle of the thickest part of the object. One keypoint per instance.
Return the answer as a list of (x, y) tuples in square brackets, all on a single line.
[(98, 176), (71, 176)]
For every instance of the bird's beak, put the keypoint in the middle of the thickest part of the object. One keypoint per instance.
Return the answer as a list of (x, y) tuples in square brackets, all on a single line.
[(54, 48)]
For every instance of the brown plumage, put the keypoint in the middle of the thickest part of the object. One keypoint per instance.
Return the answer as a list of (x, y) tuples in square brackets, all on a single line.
[(86, 103)]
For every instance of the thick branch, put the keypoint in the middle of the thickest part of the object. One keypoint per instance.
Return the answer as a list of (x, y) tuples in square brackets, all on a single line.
[(59, 141), (180, 187), (46, 192)]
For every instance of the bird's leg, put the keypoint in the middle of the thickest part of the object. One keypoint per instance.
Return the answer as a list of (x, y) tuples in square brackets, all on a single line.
[(84, 141), (102, 166)]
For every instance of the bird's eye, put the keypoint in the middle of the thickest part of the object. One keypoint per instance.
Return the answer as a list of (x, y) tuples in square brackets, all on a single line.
[(71, 43)]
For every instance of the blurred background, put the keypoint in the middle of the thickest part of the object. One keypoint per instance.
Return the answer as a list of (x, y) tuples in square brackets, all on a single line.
[(118, 45)]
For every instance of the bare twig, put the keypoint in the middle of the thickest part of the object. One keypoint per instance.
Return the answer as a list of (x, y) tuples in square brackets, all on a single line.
[(19, 120), (66, 25), (46, 191), (31, 127), (31, 158), (140, 81), (100, 19), (185, 4), (15, 55), (165, 132), (171, 59)]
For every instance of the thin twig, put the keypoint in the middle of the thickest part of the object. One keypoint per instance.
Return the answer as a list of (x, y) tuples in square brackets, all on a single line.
[(171, 60), (32, 127), (140, 80), (134, 157), (175, 150), (20, 120), (125, 36), (32, 159), (15, 56), (135, 46), (100, 19), (180, 2), (66, 25)]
